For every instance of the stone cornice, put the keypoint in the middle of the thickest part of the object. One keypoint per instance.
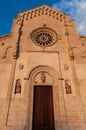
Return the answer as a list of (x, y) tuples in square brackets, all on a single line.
[(5, 36), (42, 10)]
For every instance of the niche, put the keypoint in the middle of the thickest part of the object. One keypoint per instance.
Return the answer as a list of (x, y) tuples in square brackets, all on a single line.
[(18, 86), (68, 87)]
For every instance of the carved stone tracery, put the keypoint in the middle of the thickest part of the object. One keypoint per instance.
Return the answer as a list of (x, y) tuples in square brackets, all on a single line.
[(44, 36)]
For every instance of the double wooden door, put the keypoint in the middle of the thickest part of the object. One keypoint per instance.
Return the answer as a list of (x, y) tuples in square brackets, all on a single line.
[(43, 114)]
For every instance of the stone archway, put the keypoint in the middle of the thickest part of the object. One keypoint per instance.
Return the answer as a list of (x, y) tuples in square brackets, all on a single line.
[(43, 77)]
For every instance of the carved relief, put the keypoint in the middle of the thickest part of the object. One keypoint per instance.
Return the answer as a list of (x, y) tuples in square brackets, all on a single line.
[(21, 66), (43, 77)]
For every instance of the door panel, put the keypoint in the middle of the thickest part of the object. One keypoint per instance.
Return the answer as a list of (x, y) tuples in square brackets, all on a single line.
[(43, 115)]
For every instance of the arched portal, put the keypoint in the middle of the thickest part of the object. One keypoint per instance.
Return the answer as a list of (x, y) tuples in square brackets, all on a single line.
[(43, 92)]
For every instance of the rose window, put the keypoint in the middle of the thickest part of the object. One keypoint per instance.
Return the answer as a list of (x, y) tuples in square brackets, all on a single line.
[(44, 37)]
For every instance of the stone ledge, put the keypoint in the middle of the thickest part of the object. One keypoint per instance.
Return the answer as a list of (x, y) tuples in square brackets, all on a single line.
[(12, 128), (58, 128)]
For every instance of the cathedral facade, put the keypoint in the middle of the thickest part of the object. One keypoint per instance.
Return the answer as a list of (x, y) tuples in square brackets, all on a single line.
[(43, 73)]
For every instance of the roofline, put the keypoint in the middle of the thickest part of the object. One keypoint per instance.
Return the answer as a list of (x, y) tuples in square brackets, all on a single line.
[(42, 6)]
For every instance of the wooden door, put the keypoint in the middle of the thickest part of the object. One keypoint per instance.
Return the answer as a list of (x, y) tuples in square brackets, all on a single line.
[(43, 115)]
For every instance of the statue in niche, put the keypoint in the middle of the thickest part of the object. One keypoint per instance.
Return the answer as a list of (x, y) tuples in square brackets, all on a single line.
[(43, 77), (68, 87), (18, 86), (71, 54)]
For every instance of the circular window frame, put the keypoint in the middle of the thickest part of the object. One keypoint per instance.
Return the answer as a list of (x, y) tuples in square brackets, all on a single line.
[(44, 33)]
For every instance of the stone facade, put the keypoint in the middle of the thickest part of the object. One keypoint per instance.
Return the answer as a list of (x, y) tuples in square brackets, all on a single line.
[(43, 48)]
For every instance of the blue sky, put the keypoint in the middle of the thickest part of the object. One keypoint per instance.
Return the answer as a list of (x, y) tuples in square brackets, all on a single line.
[(9, 9)]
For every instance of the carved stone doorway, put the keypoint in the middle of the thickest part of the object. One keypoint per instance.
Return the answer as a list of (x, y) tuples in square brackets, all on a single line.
[(43, 84), (43, 112)]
